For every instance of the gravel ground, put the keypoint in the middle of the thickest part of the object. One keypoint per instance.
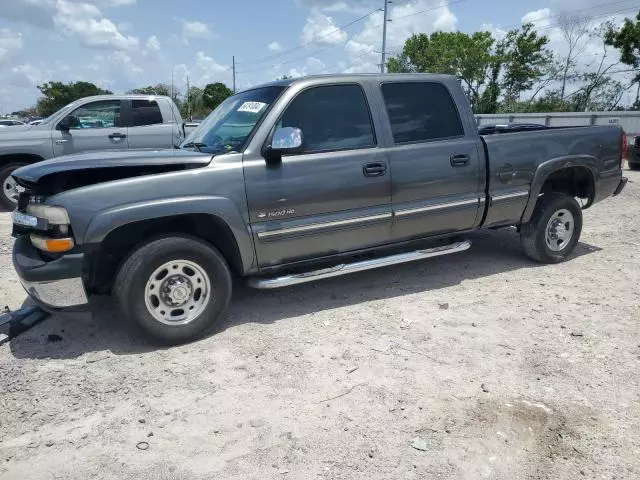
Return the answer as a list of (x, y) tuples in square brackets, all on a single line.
[(470, 366)]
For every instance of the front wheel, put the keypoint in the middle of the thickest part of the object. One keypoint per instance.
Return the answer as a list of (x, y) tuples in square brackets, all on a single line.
[(10, 190), (554, 229), (174, 288)]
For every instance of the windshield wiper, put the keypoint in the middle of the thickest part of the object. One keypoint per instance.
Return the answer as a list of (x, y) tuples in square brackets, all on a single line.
[(197, 145)]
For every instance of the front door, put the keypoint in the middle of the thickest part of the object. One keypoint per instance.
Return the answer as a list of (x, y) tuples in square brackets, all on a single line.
[(332, 197), (435, 164), (97, 126)]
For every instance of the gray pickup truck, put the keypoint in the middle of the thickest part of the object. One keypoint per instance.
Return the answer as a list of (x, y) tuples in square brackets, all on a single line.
[(105, 122), (295, 181)]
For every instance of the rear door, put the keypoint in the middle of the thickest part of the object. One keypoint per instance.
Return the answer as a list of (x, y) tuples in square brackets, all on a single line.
[(150, 124), (332, 197), (435, 161), (98, 126)]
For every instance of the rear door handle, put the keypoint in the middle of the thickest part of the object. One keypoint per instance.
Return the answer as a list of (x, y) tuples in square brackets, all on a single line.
[(117, 135), (460, 160), (374, 169)]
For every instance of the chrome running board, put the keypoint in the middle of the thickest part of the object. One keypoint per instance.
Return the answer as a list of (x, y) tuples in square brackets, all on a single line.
[(343, 269)]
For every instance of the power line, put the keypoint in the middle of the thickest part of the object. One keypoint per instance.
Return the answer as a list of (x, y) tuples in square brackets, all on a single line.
[(315, 40), (429, 9), (595, 7)]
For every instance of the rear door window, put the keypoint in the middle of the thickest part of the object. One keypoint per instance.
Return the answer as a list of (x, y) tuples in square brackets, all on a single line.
[(421, 112), (146, 112)]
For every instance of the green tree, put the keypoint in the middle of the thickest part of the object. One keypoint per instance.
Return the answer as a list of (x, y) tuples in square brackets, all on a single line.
[(57, 94), (526, 60), (469, 57), (214, 94), (159, 89), (193, 105), (627, 40)]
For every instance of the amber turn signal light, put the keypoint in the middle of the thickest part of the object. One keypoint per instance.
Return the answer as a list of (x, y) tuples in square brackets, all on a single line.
[(52, 245)]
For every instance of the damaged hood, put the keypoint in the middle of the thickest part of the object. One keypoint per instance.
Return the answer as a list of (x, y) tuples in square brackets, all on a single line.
[(110, 165)]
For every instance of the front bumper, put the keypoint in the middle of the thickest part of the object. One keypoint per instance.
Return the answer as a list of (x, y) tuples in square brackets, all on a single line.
[(621, 185), (54, 285)]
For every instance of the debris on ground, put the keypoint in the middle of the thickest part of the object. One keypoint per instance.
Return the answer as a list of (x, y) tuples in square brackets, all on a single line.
[(419, 444), (484, 388), (142, 445)]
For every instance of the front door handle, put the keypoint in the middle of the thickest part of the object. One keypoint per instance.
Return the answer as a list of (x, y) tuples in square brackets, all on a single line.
[(62, 141), (460, 160), (374, 169), (117, 135)]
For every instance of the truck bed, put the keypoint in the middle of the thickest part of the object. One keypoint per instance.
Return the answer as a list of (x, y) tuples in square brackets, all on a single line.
[(512, 159)]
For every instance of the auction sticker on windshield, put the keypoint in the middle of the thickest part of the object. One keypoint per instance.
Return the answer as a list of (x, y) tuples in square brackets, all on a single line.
[(252, 107)]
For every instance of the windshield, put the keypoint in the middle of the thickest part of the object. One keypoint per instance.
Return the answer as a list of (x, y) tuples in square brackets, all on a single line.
[(228, 127)]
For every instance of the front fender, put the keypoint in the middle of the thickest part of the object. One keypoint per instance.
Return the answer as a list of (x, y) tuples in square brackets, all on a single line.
[(550, 166), (104, 222)]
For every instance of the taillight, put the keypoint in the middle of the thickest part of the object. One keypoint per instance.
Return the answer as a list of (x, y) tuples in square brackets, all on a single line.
[(625, 148)]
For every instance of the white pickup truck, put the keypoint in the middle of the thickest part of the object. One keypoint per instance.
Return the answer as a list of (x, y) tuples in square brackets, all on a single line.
[(104, 122)]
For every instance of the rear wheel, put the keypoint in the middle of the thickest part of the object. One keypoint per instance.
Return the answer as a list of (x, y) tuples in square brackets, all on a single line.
[(554, 229), (10, 190), (174, 288)]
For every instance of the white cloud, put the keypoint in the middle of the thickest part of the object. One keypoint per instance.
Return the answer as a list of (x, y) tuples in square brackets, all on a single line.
[(541, 17), (275, 47), (352, 6), (419, 16), (153, 44), (322, 30), (10, 43), (81, 20), (209, 70), (195, 30)]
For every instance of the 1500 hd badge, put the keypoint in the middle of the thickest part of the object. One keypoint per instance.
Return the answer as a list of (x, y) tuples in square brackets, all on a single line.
[(277, 213)]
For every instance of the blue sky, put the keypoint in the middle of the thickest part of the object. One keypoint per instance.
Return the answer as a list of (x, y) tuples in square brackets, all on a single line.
[(121, 44)]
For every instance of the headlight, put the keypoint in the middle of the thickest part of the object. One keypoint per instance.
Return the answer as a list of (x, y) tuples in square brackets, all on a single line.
[(53, 215)]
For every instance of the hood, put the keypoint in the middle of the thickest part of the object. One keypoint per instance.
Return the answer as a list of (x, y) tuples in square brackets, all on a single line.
[(71, 171), (13, 129)]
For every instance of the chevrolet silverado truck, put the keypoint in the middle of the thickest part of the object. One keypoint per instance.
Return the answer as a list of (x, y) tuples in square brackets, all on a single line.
[(105, 122), (295, 181)]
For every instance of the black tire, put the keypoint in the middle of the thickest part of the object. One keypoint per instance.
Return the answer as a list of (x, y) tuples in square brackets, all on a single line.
[(131, 281), (5, 172), (532, 234), (633, 166)]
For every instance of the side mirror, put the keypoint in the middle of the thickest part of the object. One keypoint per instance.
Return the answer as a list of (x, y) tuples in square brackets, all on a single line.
[(285, 140), (67, 123)]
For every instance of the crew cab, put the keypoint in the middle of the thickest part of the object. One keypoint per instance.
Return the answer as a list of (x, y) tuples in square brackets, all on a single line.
[(104, 122), (296, 181)]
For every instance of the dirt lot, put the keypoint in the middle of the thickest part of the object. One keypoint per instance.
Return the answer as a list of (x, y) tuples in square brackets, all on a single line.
[(493, 366)]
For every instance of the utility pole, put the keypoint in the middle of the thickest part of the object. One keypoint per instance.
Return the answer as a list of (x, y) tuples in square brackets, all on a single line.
[(384, 36), (234, 73), (171, 83), (188, 100)]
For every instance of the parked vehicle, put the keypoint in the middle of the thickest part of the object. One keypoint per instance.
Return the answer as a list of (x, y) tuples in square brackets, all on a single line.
[(294, 181), (107, 122), (633, 158), (10, 123)]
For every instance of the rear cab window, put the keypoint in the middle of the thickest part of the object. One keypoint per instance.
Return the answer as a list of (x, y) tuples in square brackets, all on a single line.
[(145, 112), (421, 112)]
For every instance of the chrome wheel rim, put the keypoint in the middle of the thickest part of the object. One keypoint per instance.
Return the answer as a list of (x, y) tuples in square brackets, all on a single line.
[(11, 190), (559, 231), (177, 292)]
